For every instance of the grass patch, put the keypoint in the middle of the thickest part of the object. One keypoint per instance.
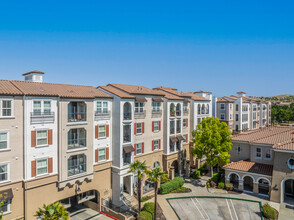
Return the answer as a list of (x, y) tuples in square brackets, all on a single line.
[(269, 212), (182, 189), (146, 198)]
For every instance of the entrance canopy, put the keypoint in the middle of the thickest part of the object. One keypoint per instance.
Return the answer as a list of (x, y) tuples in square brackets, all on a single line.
[(128, 149)]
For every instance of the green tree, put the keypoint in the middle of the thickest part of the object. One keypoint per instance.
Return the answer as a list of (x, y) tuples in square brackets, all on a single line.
[(212, 140), (156, 175), (139, 168), (1, 213), (54, 211)]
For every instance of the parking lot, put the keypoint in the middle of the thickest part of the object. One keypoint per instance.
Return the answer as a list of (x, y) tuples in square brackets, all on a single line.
[(203, 208)]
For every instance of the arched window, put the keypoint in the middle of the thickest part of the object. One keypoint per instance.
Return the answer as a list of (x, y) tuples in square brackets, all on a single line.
[(172, 110), (178, 109), (199, 109), (156, 165), (203, 109), (127, 111)]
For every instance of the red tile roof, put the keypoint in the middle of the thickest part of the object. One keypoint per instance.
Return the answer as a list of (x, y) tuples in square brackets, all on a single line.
[(117, 92), (201, 91), (135, 90), (224, 100), (251, 167), (7, 88), (189, 95)]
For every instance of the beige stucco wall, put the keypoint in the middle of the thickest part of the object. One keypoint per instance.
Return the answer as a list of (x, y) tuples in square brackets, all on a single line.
[(45, 191), (243, 155)]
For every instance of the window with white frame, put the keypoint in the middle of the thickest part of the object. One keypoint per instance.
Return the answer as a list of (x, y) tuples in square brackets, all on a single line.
[(4, 140), (268, 154), (185, 107), (42, 137), (156, 144), (222, 116), (231, 106), (6, 108), (42, 166), (5, 208), (102, 107), (102, 131), (102, 154), (4, 172), (156, 125), (139, 107), (139, 148), (257, 152), (37, 108), (155, 106), (47, 107), (184, 123), (254, 107), (185, 138), (41, 106), (231, 116), (139, 128), (237, 107), (222, 106), (254, 115)]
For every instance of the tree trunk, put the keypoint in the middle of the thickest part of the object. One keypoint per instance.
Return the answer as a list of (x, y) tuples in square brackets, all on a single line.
[(211, 170), (139, 193), (155, 199)]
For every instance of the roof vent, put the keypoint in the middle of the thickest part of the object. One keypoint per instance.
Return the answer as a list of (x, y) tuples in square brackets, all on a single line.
[(34, 76)]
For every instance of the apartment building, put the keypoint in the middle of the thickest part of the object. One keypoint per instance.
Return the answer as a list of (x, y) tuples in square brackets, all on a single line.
[(138, 113), (242, 113), (63, 145), (262, 163)]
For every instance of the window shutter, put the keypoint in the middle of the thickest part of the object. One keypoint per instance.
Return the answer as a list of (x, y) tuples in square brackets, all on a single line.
[(34, 138), (96, 155), (50, 165), (187, 141), (153, 126), (135, 152), (50, 138), (187, 122), (33, 168), (159, 125), (135, 128), (96, 131), (143, 148), (107, 130), (159, 144), (107, 153), (143, 127), (153, 145)]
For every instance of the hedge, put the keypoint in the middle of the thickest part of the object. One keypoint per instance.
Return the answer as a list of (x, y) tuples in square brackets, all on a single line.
[(149, 207), (145, 216), (171, 185), (221, 185), (196, 174)]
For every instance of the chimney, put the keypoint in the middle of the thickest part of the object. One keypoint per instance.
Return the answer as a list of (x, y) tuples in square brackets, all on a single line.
[(243, 94), (34, 76)]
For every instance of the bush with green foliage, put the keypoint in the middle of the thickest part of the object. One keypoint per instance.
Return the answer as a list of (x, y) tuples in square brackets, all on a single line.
[(203, 170), (208, 184), (182, 189), (216, 177), (196, 174), (221, 185), (269, 212), (52, 211), (145, 216), (149, 207), (176, 183), (229, 186)]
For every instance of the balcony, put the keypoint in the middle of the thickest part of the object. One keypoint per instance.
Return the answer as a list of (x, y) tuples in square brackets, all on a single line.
[(76, 143), (77, 112), (127, 138), (178, 113), (140, 115), (42, 117), (102, 114), (156, 113), (127, 159)]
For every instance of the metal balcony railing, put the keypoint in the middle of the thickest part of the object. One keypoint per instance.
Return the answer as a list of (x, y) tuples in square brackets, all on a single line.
[(76, 143), (127, 116), (102, 114), (178, 113), (140, 114), (76, 117), (42, 117), (127, 138)]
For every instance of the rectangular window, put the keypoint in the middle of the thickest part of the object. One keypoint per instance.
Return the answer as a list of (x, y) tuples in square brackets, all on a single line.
[(3, 172), (185, 107), (254, 115), (237, 117), (155, 106), (139, 148), (76, 164), (156, 125), (185, 138), (76, 138), (238, 149), (184, 123), (222, 106), (102, 131), (222, 116), (254, 107), (6, 108), (231, 106), (102, 154), (258, 152), (268, 154), (42, 166), (237, 107), (231, 117), (139, 128), (5, 208), (42, 137), (3, 140), (102, 107), (139, 107), (156, 144), (37, 108), (47, 107)]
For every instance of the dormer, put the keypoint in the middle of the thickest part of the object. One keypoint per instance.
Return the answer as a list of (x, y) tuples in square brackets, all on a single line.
[(34, 76)]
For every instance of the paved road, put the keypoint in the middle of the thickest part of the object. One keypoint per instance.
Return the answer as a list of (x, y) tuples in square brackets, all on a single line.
[(86, 214)]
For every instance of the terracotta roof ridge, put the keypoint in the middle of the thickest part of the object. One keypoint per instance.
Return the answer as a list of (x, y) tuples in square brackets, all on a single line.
[(272, 134), (62, 84), (19, 89)]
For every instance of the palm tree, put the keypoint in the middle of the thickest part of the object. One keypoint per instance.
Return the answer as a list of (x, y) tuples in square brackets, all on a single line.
[(54, 211), (156, 175), (139, 168)]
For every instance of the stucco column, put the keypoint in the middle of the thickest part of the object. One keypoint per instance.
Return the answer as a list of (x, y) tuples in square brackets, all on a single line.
[(241, 186), (227, 180), (171, 172), (255, 188), (187, 168), (180, 167)]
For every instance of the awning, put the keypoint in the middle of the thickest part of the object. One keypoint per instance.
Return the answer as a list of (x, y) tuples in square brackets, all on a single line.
[(6, 195), (173, 139), (128, 149), (157, 99), (140, 99), (180, 137)]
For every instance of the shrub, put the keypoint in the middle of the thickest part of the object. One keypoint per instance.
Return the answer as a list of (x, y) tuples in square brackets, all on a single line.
[(215, 178), (212, 184), (145, 216), (196, 174), (149, 207), (229, 186), (269, 212), (182, 189), (208, 184), (221, 185), (203, 169), (171, 185)]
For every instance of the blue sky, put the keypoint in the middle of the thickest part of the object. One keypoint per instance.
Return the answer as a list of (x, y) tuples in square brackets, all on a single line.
[(220, 46)]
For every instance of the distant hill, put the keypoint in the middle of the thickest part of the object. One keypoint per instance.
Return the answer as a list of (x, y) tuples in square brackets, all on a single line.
[(283, 96)]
